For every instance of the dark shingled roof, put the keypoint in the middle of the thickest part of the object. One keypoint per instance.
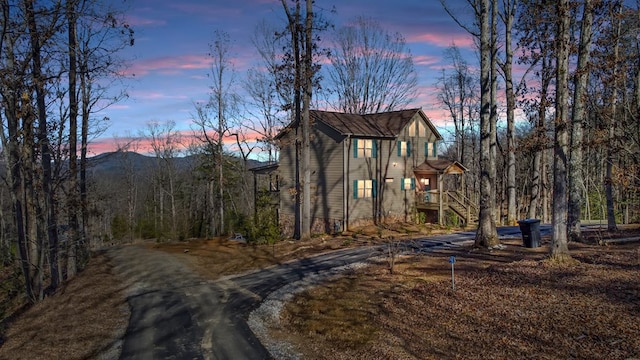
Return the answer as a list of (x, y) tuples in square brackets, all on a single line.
[(438, 165), (387, 124)]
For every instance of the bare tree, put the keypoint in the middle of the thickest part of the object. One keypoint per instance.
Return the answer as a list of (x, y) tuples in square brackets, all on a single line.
[(165, 142), (266, 95), (559, 248), (372, 69), (486, 234), (578, 115), (507, 15), (213, 118), (485, 21), (301, 56)]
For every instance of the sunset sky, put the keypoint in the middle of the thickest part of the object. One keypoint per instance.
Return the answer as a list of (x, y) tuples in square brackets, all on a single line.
[(169, 62)]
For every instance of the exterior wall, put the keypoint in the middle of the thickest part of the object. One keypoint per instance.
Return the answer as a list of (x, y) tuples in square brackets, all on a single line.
[(334, 168), (327, 181), (286, 168), (398, 203)]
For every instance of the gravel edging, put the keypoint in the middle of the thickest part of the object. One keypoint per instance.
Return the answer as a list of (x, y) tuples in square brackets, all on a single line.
[(267, 316)]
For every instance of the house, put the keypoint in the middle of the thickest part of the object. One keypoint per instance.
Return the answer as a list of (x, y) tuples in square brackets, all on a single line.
[(368, 168)]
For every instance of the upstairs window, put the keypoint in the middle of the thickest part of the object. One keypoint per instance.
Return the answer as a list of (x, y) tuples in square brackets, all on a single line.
[(364, 189), (417, 128), (430, 149), (422, 130), (404, 148), (364, 148)]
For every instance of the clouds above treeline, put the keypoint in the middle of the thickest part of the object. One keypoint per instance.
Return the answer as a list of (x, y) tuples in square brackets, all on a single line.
[(169, 63)]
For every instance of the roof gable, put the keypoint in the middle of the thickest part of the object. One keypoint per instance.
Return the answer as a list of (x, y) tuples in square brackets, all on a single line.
[(379, 125), (387, 124)]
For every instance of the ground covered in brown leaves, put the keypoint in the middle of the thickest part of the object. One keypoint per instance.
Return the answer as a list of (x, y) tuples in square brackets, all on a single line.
[(507, 304), (87, 317)]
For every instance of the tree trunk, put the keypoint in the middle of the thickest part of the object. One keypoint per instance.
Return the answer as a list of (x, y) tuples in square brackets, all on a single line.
[(73, 201), (486, 234), (306, 123), (559, 249), (511, 105), (608, 181), (50, 211), (575, 175)]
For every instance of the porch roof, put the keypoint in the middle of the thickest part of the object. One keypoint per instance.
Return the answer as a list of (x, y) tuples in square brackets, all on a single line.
[(440, 166)]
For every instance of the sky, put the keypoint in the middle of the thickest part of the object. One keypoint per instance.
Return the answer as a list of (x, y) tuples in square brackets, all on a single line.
[(168, 64)]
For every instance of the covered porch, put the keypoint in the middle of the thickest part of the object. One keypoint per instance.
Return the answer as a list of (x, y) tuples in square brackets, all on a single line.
[(433, 200)]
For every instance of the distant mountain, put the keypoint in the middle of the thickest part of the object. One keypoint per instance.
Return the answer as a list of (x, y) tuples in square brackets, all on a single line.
[(117, 163)]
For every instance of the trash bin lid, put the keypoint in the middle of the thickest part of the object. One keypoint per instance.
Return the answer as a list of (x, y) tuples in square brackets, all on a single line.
[(528, 221)]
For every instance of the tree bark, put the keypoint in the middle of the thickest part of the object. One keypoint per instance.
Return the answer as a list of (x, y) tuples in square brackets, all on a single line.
[(486, 234), (510, 9), (306, 123), (608, 181), (575, 175), (73, 198), (559, 248)]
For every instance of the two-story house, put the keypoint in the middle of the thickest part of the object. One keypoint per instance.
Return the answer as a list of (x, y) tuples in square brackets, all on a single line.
[(367, 168)]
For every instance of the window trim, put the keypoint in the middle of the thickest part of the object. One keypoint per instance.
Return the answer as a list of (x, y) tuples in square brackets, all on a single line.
[(357, 189)]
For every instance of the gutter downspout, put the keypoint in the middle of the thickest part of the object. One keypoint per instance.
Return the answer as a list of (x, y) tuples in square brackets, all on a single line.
[(345, 182)]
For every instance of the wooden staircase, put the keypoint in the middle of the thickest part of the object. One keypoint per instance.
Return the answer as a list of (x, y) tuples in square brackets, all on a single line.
[(462, 206)]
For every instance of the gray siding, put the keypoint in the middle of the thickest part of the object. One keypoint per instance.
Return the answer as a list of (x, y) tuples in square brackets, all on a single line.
[(332, 179), (326, 176), (391, 199)]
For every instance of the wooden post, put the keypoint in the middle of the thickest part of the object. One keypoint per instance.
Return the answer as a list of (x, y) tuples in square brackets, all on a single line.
[(440, 200)]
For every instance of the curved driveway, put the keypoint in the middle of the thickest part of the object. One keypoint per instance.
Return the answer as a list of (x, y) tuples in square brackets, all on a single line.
[(177, 314)]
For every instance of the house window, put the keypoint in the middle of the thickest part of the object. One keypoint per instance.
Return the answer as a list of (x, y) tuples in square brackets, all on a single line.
[(364, 148), (422, 130), (430, 149), (404, 148), (408, 184), (412, 129), (364, 189)]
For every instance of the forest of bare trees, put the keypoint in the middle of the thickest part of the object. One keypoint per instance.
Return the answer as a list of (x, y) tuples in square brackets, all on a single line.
[(566, 145), (546, 122)]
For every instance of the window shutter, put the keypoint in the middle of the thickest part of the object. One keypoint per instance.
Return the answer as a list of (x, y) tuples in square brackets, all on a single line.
[(435, 149), (399, 146), (413, 183), (374, 188), (374, 150), (402, 184), (355, 148), (408, 148), (355, 189), (426, 149)]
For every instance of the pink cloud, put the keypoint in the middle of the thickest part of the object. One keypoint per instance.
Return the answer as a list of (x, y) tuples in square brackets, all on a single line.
[(142, 145), (443, 40), (426, 60), (169, 65)]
